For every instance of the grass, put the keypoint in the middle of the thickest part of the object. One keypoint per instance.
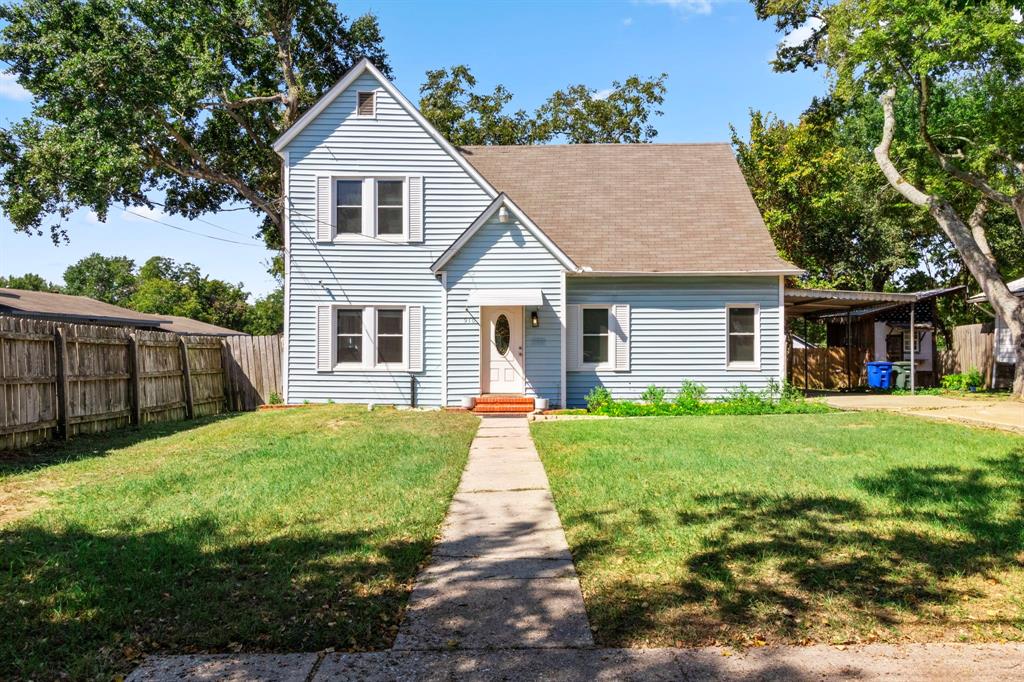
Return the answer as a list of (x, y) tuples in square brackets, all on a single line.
[(291, 530), (836, 528)]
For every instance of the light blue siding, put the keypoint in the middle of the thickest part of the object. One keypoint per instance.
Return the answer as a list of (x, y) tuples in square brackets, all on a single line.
[(678, 332), (504, 256), (369, 271)]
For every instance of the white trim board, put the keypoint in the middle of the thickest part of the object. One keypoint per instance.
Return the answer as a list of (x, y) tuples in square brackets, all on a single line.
[(503, 200), (366, 66)]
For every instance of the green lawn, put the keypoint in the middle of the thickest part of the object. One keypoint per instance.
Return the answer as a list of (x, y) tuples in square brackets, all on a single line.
[(847, 527), (291, 530)]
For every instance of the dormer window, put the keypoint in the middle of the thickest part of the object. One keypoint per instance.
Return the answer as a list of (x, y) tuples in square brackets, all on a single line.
[(366, 104)]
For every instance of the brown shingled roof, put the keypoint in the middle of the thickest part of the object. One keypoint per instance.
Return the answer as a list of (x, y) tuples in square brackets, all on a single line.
[(85, 310), (637, 207)]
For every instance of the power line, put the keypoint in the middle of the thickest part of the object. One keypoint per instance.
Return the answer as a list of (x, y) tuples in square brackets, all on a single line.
[(183, 229), (203, 220)]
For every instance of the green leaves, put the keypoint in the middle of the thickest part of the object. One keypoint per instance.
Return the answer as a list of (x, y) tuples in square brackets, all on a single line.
[(577, 114)]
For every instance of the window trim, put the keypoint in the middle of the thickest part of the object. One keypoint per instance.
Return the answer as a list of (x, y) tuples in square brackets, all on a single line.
[(369, 361), (730, 364), (373, 97), (369, 198), (334, 203), (609, 363), (335, 334)]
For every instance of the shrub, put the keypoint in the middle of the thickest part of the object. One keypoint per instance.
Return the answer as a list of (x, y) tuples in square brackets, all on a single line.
[(598, 398), (274, 398), (962, 382), (690, 399), (653, 395)]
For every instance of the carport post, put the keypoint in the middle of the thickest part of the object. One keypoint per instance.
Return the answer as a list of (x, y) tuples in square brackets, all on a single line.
[(913, 342)]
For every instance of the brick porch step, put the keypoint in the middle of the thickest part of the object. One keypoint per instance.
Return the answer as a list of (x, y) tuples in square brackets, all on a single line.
[(503, 404)]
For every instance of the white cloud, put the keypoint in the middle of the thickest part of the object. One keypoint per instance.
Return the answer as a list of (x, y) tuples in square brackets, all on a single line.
[(801, 34), (603, 93), (692, 6), (1017, 16), (628, 21), (10, 89)]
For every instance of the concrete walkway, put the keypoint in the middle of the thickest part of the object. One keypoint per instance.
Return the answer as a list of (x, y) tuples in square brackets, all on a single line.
[(1004, 414), (501, 575)]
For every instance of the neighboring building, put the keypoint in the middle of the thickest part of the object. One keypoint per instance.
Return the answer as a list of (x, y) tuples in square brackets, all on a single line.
[(83, 310), (540, 271), (1003, 346)]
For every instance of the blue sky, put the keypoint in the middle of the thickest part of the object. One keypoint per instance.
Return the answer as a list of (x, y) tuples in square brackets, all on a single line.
[(716, 55)]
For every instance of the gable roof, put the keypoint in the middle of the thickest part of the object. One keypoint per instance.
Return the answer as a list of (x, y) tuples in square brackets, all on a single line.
[(638, 208), (85, 310), (481, 220), (366, 66), (1015, 286)]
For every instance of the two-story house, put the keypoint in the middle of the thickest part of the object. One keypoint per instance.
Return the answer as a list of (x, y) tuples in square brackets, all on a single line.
[(420, 273)]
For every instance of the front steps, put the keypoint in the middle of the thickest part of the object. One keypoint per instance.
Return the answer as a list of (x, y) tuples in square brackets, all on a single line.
[(503, 404)]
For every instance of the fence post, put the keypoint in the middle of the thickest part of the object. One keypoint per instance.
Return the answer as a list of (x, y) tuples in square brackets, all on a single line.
[(60, 347), (186, 376), (135, 380)]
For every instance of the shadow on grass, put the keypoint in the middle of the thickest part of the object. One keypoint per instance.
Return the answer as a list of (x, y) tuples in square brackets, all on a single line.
[(798, 567), (90, 604), (86, 446)]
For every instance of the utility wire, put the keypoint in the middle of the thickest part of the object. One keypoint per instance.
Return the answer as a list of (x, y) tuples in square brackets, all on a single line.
[(183, 229)]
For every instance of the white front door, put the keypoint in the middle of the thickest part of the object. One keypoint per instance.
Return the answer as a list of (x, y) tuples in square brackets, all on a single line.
[(502, 350)]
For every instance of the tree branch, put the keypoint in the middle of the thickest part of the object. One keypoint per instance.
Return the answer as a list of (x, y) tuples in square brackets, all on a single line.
[(945, 163), (284, 55), (977, 224)]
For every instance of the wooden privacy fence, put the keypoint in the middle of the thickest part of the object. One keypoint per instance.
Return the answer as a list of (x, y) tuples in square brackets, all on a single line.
[(59, 380), (972, 349), (825, 369), (252, 370)]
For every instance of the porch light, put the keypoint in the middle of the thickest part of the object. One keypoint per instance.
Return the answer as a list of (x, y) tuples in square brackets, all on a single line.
[(534, 319), (503, 215)]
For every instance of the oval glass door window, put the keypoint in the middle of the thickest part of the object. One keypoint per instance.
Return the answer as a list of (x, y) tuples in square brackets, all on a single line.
[(502, 334)]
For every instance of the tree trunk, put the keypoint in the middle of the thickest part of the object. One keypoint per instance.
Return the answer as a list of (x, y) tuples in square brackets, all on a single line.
[(1007, 306)]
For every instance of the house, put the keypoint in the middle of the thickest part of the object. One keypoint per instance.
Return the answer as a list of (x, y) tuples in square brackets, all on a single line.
[(418, 273), (84, 310), (1003, 343)]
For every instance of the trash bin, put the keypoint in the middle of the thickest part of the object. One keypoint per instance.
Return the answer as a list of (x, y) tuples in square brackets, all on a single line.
[(880, 375), (901, 378)]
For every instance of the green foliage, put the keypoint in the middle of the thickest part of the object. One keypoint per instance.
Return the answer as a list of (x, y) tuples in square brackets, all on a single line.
[(966, 381), (654, 395), (598, 398), (774, 399), (29, 282), (132, 96), (275, 398), (577, 114), (110, 279), (266, 315)]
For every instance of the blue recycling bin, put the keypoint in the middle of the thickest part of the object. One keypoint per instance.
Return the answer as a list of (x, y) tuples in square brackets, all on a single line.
[(880, 375)]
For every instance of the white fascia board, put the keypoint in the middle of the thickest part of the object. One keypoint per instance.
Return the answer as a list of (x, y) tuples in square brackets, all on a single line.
[(481, 220), (686, 273), (364, 66)]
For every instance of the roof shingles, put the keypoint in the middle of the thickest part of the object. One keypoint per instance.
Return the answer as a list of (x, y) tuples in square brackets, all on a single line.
[(642, 208)]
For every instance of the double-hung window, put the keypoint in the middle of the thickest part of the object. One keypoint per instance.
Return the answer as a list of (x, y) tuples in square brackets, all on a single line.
[(390, 337), (595, 330), (349, 194), (372, 207), (741, 328), (350, 336)]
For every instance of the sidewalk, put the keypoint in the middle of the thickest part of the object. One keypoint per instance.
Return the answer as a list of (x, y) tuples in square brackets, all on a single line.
[(1003, 414)]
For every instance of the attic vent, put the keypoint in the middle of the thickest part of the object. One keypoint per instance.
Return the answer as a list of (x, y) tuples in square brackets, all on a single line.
[(365, 107)]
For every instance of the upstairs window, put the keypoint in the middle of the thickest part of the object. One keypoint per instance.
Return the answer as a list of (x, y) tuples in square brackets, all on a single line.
[(595, 336), (390, 207), (366, 104), (349, 195), (742, 333)]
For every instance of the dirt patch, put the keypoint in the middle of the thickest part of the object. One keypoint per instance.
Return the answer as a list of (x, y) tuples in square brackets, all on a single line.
[(19, 499)]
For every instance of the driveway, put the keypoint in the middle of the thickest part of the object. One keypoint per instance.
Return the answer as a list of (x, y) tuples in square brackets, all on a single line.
[(997, 413)]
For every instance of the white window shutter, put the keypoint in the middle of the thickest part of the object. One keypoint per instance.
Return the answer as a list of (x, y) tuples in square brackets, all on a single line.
[(572, 337), (415, 338), (620, 311), (324, 210), (416, 208), (324, 338)]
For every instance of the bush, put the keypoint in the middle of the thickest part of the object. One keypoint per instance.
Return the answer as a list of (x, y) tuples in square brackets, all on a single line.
[(776, 398), (598, 398), (274, 398), (653, 395), (963, 382)]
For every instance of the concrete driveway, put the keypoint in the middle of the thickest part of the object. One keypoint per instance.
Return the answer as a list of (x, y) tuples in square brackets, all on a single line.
[(997, 413)]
